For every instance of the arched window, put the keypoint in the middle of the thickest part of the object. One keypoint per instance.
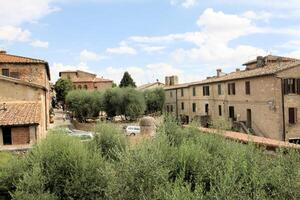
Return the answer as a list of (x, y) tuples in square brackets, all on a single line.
[(79, 87), (85, 87)]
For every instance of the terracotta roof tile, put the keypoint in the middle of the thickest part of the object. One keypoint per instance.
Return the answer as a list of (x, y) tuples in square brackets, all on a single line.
[(20, 113), (8, 58), (82, 80)]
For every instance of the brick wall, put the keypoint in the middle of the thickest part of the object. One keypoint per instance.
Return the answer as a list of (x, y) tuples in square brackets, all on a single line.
[(20, 135)]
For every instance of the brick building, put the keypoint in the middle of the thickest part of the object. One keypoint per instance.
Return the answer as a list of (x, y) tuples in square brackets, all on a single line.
[(24, 99), (86, 80), (263, 99), (150, 86)]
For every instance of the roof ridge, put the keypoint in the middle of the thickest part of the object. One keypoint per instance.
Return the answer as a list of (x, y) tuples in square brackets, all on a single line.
[(24, 57)]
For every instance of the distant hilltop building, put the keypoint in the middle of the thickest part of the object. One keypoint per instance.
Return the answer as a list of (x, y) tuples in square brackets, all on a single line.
[(263, 99), (149, 86), (24, 100), (85, 80)]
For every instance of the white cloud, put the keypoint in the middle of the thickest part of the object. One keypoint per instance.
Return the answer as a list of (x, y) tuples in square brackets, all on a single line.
[(58, 67), (262, 15), (40, 44), (122, 49), (12, 33), (185, 3), (152, 49), (16, 12), (86, 55)]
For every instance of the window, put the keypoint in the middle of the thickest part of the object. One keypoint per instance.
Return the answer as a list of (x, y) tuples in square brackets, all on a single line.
[(231, 88), (5, 72), (205, 90), (168, 109), (231, 112), (182, 92), (292, 115), (247, 87), (206, 108), (182, 105), (96, 88), (291, 86), (14, 74), (219, 89), (194, 91), (6, 132), (79, 87), (194, 107), (171, 108), (220, 110), (85, 87)]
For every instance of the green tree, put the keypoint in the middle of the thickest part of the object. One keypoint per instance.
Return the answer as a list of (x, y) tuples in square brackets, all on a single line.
[(155, 100), (133, 104), (112, 100), (62, 87), (127, 81), (84, 104)]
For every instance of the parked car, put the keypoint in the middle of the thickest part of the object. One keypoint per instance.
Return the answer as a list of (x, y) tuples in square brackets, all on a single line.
[(132, 130)]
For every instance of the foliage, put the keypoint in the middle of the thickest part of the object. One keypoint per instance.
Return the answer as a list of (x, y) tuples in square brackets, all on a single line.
[(177, 164), (123, 101), (127, 81), (84, 104), (220, 124), (62, 87), (155, 100), (109, 140)]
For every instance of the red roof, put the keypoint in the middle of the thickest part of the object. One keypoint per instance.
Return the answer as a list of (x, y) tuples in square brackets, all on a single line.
[(19, 113), (11, 59)]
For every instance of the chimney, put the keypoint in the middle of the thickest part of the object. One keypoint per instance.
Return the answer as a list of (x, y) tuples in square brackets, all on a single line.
[(2, 52), (171, 80), (260, 61), (219, 71), (237, 70)]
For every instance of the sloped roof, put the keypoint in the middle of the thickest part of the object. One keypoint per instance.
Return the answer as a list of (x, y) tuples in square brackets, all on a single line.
[(270, 69), (145, 86), (272, 58), (21, 82), (20, 113), (13, 59), (76, 71)]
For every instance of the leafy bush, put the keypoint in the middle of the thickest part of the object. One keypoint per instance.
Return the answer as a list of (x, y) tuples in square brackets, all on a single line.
[(109, 140), (221, 124), (177, 164), (62, 87)]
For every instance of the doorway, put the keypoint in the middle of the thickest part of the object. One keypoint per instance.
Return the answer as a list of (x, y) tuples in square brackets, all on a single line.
[(231, 112), (6, 132), (249, 118)]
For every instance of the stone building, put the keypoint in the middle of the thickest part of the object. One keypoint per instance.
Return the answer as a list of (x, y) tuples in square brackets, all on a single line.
[(150, 86), (24, 99), (86, 80), (263, 99)]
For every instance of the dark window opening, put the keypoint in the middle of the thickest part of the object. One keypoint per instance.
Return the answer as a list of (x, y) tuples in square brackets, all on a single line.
[(231, 112), (249, 118), (85, 87), (194, 107), (290, 86), (171, 108), (5, 72), (79, 87), (220, 110), (205, 90), (247, 87), (182, 106), (292, 115), (168, 109), (6, 132), (206, 108), (231, 88), (219, 89), (194, 91), (182, 92)]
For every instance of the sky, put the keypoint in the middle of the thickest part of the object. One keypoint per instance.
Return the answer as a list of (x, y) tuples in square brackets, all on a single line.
[(150, 39)]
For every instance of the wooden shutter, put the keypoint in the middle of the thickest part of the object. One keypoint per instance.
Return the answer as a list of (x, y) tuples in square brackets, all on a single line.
[(298, 86), (286, 86)]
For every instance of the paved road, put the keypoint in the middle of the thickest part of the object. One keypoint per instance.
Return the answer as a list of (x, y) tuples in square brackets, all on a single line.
[(59, 120)]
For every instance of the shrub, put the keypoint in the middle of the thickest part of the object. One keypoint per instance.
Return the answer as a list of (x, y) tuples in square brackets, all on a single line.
[(109, 140), (64, 168), (221, 124)]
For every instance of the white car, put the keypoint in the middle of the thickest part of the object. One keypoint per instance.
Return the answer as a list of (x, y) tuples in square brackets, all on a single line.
[(132, 130)]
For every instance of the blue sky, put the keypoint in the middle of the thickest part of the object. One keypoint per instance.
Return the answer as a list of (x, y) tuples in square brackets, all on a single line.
[(149, 38)]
